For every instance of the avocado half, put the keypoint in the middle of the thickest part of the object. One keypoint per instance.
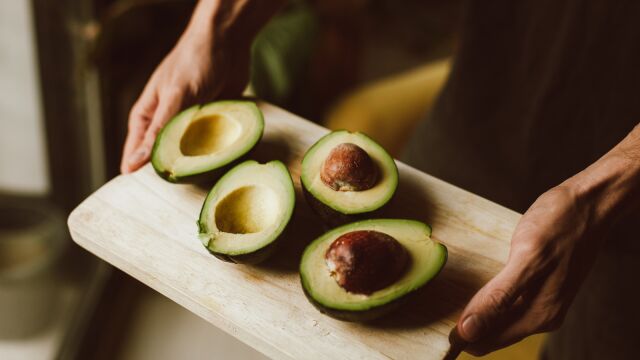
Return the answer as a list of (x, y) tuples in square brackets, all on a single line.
[(427, 259), (204, 141), (340, 207), (246, 211)]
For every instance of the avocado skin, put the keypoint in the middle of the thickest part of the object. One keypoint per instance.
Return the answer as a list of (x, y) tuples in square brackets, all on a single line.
[(373, 313), (212, 175), (359, 316), (332, 218), (253, 258), (205, 177)]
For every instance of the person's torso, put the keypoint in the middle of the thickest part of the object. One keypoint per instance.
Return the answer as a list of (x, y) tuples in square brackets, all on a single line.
[(538, 91)]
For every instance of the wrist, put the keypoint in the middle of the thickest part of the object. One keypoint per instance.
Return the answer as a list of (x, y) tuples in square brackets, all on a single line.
[(611, 185), (230, 23)]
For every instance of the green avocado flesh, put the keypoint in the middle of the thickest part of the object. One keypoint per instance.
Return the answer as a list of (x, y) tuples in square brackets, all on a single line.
[(427, 259), (202, 141), (246, 211), (349, 202)]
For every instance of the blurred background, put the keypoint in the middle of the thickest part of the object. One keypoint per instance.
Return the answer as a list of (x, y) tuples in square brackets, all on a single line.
[(70, 71)]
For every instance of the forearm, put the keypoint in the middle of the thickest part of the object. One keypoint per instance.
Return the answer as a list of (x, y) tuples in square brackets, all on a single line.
[(235, 22), (612, 183)]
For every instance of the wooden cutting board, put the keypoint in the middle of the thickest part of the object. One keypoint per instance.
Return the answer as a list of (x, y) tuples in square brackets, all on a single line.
[(147, 228)]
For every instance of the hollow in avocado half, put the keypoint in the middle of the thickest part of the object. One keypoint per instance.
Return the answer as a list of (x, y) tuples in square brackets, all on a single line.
[(346, 176), (363, 270), (204, 141), (246, 211)]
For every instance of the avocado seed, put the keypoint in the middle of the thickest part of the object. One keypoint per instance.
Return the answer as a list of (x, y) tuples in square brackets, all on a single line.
[(349, 168), (363, 262)]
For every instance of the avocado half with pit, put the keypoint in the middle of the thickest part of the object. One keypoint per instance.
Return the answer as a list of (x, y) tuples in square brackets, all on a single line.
[(246, 211), (347, 176), (363, 270), (204, 141)]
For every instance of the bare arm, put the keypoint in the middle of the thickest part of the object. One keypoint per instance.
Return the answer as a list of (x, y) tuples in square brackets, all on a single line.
[(211, 60), (552, 250)]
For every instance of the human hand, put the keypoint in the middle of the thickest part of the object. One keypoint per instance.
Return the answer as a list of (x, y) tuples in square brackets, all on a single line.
[(552, 249), (197, 70)]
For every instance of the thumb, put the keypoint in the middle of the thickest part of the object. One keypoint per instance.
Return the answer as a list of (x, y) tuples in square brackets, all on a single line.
[(167, 107), (492, 305)]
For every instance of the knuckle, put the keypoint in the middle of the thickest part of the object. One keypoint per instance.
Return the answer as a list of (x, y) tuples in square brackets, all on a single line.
[(499, 300), (140, 107), (137, 120), (536, 253)]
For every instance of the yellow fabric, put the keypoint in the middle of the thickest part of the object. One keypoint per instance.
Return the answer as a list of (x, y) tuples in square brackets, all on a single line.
[(527, 349), (387, 110)]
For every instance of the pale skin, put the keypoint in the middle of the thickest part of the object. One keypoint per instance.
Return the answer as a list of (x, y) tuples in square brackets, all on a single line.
[(210, 61), (552, 248)]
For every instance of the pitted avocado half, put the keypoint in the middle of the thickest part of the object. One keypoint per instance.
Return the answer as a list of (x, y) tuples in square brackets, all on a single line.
[(204, 141), (246, 211)]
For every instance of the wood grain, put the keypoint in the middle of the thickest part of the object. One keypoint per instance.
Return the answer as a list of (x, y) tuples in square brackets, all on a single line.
[(146, 227)]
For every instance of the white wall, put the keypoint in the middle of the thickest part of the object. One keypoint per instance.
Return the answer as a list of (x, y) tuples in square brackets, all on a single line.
[(23, 162)]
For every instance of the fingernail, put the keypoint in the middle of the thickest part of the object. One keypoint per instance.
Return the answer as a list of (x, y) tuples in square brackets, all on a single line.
[(455, 339), (472, 328), (137, 157)]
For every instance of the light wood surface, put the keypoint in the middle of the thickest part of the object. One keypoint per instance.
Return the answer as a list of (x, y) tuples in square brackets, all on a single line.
[(146, 227)]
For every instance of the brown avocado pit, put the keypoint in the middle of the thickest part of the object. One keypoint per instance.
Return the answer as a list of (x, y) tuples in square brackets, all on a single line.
[(348, 167), (366, 261)]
